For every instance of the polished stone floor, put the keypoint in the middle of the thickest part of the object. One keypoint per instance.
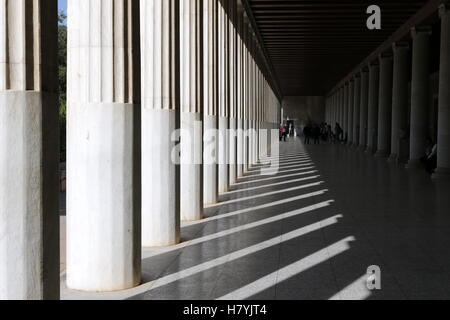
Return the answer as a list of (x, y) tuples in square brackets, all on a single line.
[(310, 232)]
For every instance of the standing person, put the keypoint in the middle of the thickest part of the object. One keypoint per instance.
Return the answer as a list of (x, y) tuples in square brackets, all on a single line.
[(285, 132), (338, 131), (307, 133), (316, 134), (330, 133), (280, 130)]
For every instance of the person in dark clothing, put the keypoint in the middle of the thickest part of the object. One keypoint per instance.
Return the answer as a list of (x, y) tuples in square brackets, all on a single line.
[(307, 134), (338, 132), (330, 134), (316, 134)]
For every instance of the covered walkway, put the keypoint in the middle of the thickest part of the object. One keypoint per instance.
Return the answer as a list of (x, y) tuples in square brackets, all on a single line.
[(309, 232)]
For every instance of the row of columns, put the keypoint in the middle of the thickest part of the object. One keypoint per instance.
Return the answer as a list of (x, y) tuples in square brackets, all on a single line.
[(372, 107), (149, 82)]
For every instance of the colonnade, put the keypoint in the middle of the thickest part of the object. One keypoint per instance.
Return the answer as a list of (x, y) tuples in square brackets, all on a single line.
[(149, 84), (378, 94)]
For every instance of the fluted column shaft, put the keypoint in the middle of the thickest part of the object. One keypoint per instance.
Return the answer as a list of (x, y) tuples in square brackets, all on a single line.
[(160, 52), (385, 106), (420, 89), (351, 101), (103, 151), (399, 100), (210, 101), (224, 105), (364, 109), (246, 110), (232, 9), (241, 94), (191, 69), (374, 82), (356, 109), (443, 158), (346, 111), (29, 151)]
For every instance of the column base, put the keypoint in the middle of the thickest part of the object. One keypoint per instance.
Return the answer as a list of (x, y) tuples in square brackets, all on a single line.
[(442, 174)]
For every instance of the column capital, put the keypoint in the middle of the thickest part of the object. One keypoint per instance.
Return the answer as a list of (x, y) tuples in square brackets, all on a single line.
[(357, 75), (420, 29), (364, 69)]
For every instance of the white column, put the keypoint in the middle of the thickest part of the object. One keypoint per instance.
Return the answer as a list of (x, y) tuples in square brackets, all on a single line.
[(160, 50), (29, 151), (340, 108), (191, 73), (356, 109), (246, 106), (210, 119), (351, 101), (372, 116), (346, 111), (443, 159), (240, 93), (385, 106), (399, 100), (223, 101), (103, 151), (420, 89), (363, 109), (232, 91)]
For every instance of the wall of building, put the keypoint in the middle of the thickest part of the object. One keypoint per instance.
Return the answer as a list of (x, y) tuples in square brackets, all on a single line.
[(303, 109)]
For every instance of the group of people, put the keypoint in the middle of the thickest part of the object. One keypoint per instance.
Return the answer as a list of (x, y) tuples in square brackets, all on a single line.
[(286, 131), (323, 132)]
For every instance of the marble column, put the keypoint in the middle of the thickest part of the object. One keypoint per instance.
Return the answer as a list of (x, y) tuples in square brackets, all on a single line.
[(345, 112), (251, 83), (240, 93), (356, 109), (363, 114), (443, 159), (224, 111), (420, 94), (246, 98), (103, 146), (372, 116), (341, 110), (399, 101), (351, 101), (29, 151), (385, 106), (210, 119), (232, 91), (191, 73), (160, 52)]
